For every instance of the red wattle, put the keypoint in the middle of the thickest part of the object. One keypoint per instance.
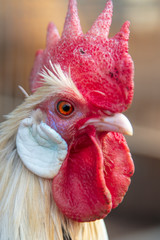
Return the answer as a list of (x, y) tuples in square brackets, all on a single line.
[(118, 165), (85, 189), (79, 188)]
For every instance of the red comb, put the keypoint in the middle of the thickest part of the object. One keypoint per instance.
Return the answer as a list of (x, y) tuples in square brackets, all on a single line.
[(100, 67)]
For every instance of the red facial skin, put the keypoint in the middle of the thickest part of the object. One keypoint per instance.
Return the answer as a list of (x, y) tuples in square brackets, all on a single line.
[(96, 173)]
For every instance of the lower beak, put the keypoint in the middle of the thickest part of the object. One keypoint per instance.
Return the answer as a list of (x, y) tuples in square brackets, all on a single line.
[(115, 123)]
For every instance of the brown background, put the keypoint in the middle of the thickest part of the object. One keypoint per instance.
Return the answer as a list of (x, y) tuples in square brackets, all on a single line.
[(23, 30)]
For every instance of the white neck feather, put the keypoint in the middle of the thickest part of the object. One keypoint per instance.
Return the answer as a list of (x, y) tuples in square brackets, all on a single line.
[(27, 208)]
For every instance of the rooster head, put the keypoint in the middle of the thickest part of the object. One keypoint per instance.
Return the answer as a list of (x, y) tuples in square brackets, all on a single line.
[(92, 76)]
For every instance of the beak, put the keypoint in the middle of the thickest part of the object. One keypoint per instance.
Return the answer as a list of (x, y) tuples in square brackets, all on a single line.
[(115, 123)]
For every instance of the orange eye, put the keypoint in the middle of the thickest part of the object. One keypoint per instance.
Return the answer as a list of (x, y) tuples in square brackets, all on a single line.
[(65, 108)]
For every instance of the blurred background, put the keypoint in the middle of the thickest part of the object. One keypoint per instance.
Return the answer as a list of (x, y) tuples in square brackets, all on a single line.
[(23, 30)]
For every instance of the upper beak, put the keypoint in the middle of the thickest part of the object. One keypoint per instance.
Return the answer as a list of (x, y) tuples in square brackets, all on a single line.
[(115, 123)]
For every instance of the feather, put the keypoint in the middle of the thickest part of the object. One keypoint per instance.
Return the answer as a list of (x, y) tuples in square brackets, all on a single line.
[(60, 81), (27, 209)]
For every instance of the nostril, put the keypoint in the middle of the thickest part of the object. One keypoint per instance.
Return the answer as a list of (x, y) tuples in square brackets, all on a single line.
[(108, 113)]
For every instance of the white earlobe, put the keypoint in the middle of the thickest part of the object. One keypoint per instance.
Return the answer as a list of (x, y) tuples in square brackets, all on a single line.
[(41, 149)]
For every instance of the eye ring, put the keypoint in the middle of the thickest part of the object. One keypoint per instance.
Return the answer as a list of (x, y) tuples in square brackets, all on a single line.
[(65, 108)]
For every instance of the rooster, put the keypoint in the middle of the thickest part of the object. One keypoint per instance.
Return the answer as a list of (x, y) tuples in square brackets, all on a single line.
[(64, 163)]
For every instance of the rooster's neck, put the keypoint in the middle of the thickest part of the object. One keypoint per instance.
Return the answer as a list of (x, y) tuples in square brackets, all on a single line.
[(27, 208)]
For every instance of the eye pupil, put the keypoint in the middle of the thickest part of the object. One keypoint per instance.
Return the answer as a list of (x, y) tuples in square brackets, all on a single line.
[(65, 108)]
